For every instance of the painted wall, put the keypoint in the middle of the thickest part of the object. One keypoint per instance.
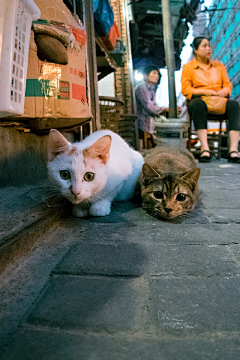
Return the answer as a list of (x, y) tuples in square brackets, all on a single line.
[(106, 86)]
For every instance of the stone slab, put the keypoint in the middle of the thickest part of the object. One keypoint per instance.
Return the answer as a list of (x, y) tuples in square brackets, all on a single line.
[(224, 182), (119, 259), (221, 199), (31, 344), (158, 232), (219, 168), (132, 259), (223, 216), (194, 306), (93, 304), (235, 250)]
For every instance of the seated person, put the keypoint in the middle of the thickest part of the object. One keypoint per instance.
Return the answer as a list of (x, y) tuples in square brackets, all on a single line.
[(147, 107), (205, 77)]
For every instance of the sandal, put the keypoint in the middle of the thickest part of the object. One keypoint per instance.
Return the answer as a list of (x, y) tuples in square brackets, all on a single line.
[(235, 159), (205, 159)]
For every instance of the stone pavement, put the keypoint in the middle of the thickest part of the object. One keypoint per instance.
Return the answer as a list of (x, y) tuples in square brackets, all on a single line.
[(131, 287)]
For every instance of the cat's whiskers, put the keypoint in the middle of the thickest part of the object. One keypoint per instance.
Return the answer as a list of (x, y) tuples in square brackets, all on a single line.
[(56, 192), (46, 193), (45, 187), (95, 198), (52, 199), (57, 201), (154, 214), (59, 198), (50, 184)]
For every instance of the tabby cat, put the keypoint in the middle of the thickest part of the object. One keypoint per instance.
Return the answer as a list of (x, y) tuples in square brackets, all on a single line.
[(169, 182), (94, 172)]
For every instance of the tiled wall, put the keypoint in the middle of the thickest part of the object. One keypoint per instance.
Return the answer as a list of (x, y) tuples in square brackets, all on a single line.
[(225, 31)]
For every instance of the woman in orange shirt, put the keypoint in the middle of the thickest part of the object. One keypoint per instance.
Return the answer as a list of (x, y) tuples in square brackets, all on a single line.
[(205, 77)]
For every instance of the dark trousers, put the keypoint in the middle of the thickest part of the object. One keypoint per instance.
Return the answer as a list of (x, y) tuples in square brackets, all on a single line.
[(197, 110)]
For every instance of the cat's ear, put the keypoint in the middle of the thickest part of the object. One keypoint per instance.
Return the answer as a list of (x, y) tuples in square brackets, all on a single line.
[(149, 173), (57, 144), (192, 176), (100, 149)]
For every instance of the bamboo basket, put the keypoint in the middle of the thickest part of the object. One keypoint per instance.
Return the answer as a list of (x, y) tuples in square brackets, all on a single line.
[(110, 110), (126, 128)]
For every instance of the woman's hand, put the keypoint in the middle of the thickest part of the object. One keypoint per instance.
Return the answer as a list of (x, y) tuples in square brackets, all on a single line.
[(205, 92), (223, 93), (210, 93), (179, 110)]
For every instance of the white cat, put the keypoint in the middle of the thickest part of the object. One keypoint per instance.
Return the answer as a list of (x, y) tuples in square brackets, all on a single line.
[(94, 172)]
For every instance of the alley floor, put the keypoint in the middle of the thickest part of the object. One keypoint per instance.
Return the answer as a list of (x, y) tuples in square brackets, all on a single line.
[(130, 287)]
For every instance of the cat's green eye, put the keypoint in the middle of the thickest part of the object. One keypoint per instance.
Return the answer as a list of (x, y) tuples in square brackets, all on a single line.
[(181, 197), (65, 174), (89, 176), (158, 195)]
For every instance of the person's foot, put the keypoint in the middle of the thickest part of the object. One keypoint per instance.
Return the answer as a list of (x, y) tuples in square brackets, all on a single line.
[(233, 157), (205, 156), (234, 153)]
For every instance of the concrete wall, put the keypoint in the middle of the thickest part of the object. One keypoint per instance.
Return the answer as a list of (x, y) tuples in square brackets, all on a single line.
[(23, 157)]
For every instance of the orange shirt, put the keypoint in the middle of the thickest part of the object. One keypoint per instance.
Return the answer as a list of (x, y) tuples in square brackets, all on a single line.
[(195, 77)]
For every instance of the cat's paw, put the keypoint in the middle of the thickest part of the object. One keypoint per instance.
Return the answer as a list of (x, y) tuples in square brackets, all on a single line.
[(79, 212), (101, 208)]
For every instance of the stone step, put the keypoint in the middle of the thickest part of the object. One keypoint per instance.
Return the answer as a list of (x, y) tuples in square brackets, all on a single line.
[(26, 214)]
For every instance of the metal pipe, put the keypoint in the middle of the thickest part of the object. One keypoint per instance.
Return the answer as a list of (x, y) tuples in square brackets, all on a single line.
[(129, 55), (91, 64), (74, 7), (169, 56)]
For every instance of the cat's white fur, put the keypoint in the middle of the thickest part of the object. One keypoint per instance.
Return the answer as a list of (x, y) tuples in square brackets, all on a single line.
[(116, 167)]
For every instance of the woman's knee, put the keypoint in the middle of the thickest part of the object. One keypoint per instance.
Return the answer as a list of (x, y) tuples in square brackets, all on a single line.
[(233, 105), (233, 115), (197, 104)]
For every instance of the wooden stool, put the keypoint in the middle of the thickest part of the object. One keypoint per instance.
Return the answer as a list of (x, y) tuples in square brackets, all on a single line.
[(146, 138), (211, 137)]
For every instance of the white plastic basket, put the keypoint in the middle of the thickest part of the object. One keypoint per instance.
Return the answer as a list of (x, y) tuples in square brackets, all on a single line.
[(16, 17)]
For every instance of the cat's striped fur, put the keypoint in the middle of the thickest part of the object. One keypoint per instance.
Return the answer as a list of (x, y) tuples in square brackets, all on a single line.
[(169, 182)]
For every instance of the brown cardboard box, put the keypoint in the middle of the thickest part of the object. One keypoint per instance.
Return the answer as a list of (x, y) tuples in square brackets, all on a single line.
[(53, 90), (55, 10)]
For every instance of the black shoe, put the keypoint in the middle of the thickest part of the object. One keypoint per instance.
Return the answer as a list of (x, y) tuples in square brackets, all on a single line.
[(205, 159), (235, 159)]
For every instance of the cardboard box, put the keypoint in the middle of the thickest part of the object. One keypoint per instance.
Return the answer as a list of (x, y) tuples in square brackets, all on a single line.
[(53, 90)]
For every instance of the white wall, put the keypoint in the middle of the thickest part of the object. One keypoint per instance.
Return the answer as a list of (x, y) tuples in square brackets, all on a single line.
[(106, 86)]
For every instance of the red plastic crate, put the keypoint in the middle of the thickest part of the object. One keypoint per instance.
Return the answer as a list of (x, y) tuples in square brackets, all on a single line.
[(111, 40)]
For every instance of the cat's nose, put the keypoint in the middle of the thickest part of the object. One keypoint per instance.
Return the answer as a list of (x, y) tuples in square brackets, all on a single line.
[(75, 193), (168, 210)]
